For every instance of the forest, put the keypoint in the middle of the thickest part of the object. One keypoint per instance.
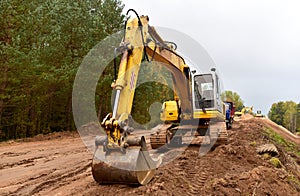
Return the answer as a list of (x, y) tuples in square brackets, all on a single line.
[(42, 43)]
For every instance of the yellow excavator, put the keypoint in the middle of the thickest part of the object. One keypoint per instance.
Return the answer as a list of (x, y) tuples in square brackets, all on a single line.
[(122, 156), (245, 110)]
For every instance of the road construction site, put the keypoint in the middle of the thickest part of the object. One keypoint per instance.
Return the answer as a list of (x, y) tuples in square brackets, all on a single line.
[(60, 164)]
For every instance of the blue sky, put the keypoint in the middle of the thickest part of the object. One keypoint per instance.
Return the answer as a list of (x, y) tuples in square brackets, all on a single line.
[(255, 44)]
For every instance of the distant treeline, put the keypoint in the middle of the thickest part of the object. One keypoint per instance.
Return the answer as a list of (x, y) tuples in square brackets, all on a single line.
[(286, 114), (42, 43)]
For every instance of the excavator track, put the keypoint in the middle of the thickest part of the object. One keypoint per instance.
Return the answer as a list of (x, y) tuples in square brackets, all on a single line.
[(219, 134), (159, 136), (222, 137), (132, 166), (158, 140)]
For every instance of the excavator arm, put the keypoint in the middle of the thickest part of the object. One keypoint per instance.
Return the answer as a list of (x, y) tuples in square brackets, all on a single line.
[(141, 43), (122, 157)]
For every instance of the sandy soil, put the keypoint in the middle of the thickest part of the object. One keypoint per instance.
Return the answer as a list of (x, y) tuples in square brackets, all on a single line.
[(60, 165)]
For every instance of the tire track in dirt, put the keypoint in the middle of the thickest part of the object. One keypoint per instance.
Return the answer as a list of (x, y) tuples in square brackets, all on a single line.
[(24, 162), (66, 178), (52, 178), (47, 166), (11, 154), (194, 171)]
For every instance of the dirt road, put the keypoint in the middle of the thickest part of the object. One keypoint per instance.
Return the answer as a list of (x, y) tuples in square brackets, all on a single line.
[(61, 166), (52, 166)]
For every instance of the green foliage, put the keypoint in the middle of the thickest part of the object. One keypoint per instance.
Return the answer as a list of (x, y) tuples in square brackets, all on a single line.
[(234, 97), (253, 143), (276, 162), (286, 114), (266, 156), (278, 139), (42, 43), (294, 180)]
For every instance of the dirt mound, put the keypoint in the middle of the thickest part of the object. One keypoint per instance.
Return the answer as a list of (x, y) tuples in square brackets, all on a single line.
[(62, 167), (244, 117), (233, 169)]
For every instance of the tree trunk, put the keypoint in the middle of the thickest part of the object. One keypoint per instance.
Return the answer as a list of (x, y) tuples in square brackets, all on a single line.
[(99, 112), (69, 112), (2, 90)]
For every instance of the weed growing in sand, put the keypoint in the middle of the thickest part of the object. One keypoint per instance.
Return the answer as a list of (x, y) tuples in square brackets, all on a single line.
[(276, 162), (253, 143)]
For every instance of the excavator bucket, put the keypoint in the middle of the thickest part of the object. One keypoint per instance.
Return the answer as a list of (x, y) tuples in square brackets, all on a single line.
[(134, 166)]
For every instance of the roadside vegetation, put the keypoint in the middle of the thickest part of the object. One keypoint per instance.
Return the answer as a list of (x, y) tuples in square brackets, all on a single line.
[(286, 114), (279, 140)]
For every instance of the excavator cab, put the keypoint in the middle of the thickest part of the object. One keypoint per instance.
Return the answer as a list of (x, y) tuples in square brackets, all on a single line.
[(204, 91), (206, 100), (206, 95)]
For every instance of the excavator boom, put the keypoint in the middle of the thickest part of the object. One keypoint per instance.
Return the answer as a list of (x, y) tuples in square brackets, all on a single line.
[(120, 156)]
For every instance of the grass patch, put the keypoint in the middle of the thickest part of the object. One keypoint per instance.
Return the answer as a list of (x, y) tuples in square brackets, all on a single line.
[(292, 179), (278, 139), (276, 162), (253, 143), (266, 156)]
